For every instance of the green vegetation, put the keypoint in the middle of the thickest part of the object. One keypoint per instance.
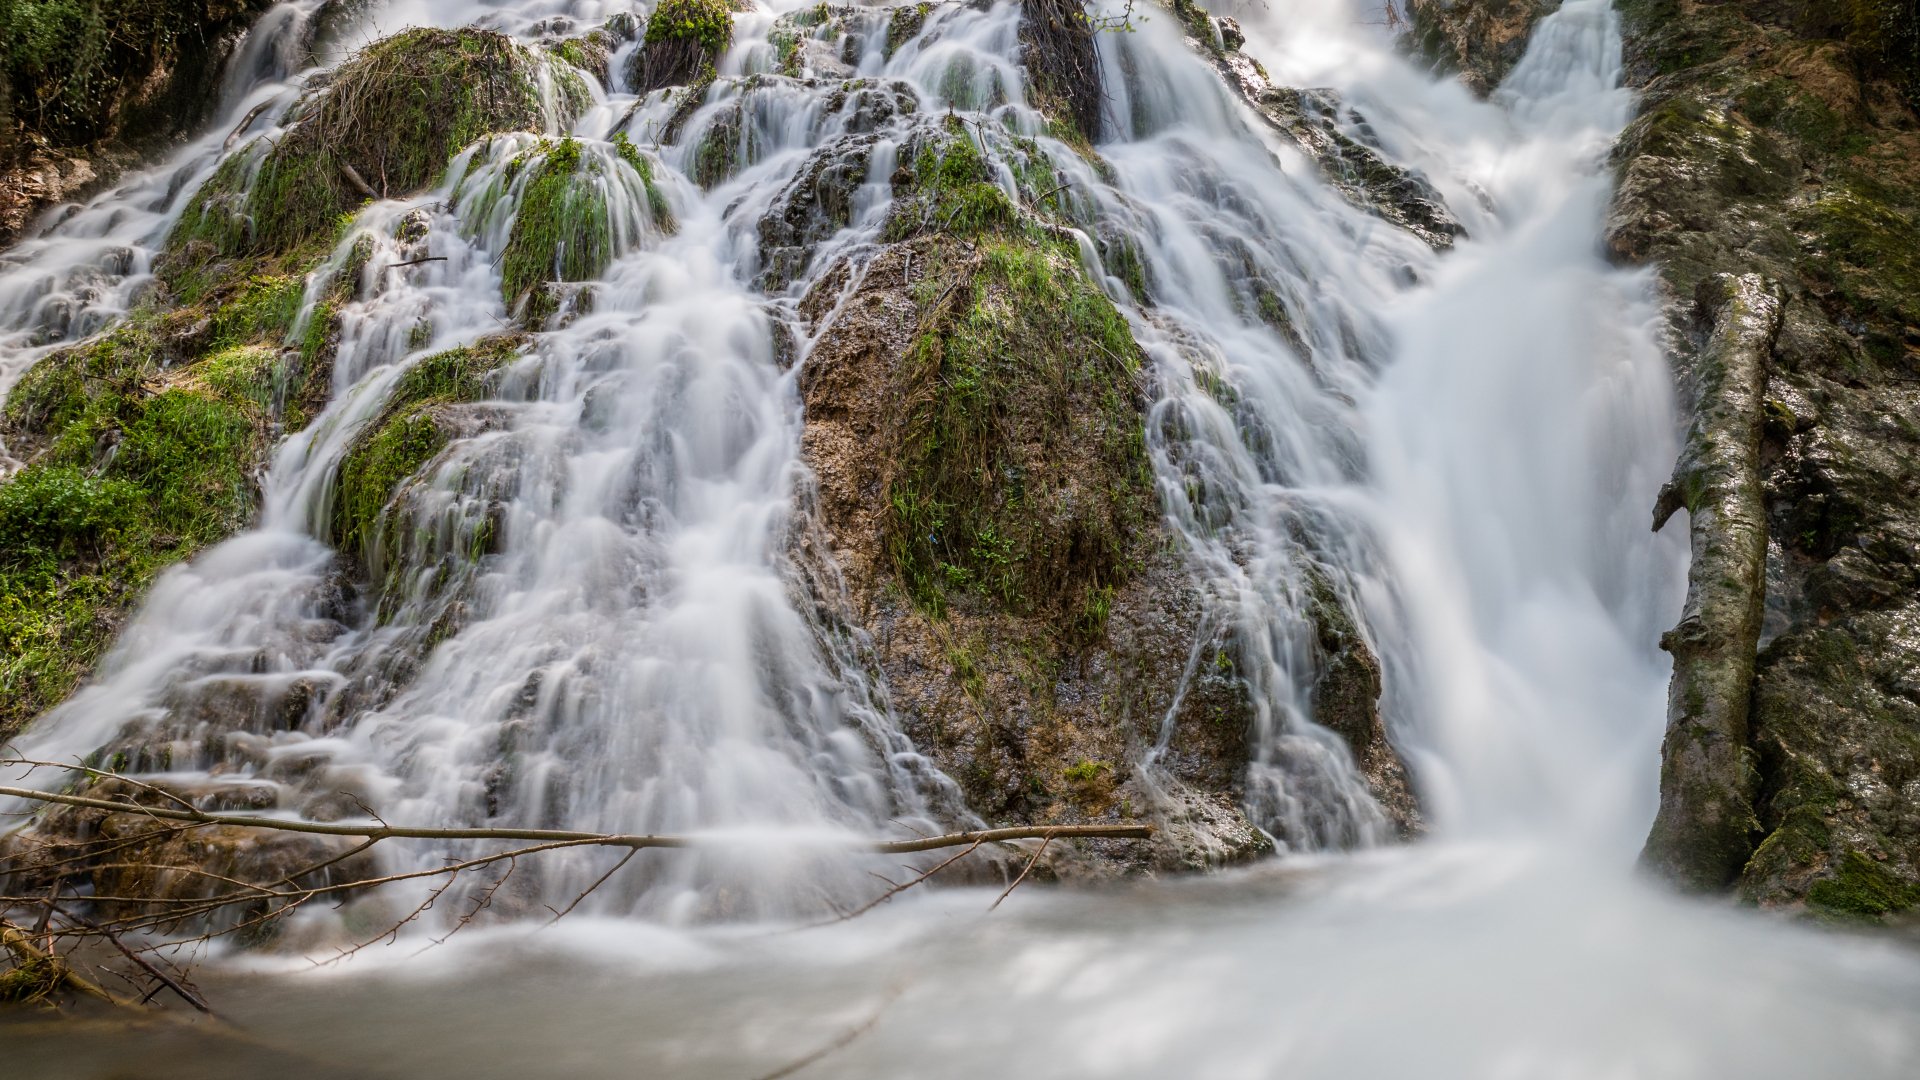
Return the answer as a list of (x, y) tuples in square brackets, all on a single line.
[(1021, 469), (1861, 888), (561, 232), (71, 70), (705, 23), (135, 466), (656, 201), (1873, 263), (954, 192), (1086, 772), (390, 119), (684, 39), (408, 434)]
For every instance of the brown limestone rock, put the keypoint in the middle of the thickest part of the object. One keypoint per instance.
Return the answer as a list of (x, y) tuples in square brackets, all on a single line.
[(1040, 711)]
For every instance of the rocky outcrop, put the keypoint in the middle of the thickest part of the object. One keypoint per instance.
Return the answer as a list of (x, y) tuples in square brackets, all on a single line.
[(1332, 135), (385, 123), (974, 419), (1478, 40), (1778, 142), (87, 89), (684, 39)]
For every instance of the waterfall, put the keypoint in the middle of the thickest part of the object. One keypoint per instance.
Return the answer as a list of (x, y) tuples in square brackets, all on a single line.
[(600, 602), (593, 610)]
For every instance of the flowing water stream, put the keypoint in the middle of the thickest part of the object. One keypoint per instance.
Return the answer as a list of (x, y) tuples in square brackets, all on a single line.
[(1464, 446)]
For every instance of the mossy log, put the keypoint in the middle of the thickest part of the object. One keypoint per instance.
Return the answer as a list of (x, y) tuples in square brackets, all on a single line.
[(1706, 827)]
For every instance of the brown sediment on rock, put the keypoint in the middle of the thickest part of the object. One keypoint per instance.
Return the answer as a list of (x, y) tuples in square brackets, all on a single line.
[(1039, 710)]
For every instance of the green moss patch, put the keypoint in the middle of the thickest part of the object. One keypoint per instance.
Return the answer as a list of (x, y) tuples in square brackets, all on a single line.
[(1873, 260), (135, 466), (390, 119), (1021, 471), (684, 40), (409, 433), (1861, 888), (561, 233)]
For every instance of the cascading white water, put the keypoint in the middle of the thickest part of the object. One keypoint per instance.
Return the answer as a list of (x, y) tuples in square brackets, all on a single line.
[(1462, 447)]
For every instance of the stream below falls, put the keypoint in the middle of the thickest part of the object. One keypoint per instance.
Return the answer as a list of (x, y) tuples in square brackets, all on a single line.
[(1463, 445)]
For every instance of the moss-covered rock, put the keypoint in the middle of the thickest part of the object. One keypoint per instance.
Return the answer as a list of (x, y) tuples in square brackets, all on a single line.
[(421, 417), (138, 457), (1062, 62), (385, 123), (1043, 626), (575, 209), (684, 41), (1776, 141)]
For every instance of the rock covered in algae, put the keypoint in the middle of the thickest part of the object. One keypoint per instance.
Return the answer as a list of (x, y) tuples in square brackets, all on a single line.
[(384, 124)]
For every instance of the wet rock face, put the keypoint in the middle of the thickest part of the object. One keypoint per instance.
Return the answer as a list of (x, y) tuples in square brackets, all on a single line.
[(1479, 40), (1034, 706), (1775, 140), (1334, 136), (1360, 172), (131, 855), (87, 90)]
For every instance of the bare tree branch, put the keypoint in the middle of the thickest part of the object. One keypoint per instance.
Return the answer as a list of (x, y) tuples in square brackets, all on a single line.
[(564, 836)]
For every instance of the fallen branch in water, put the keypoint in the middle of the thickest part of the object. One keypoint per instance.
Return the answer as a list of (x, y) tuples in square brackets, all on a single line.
[(565, 836), (59, 973), (142, 922)]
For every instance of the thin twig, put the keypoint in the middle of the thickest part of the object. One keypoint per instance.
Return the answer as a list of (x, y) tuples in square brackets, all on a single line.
[(166, 980), (1028, 869), (846, 1038)]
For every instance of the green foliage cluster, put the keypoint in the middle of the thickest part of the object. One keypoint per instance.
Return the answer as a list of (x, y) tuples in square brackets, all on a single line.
[(66, 66), (705, 23), (684, 39), (133, 472)]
